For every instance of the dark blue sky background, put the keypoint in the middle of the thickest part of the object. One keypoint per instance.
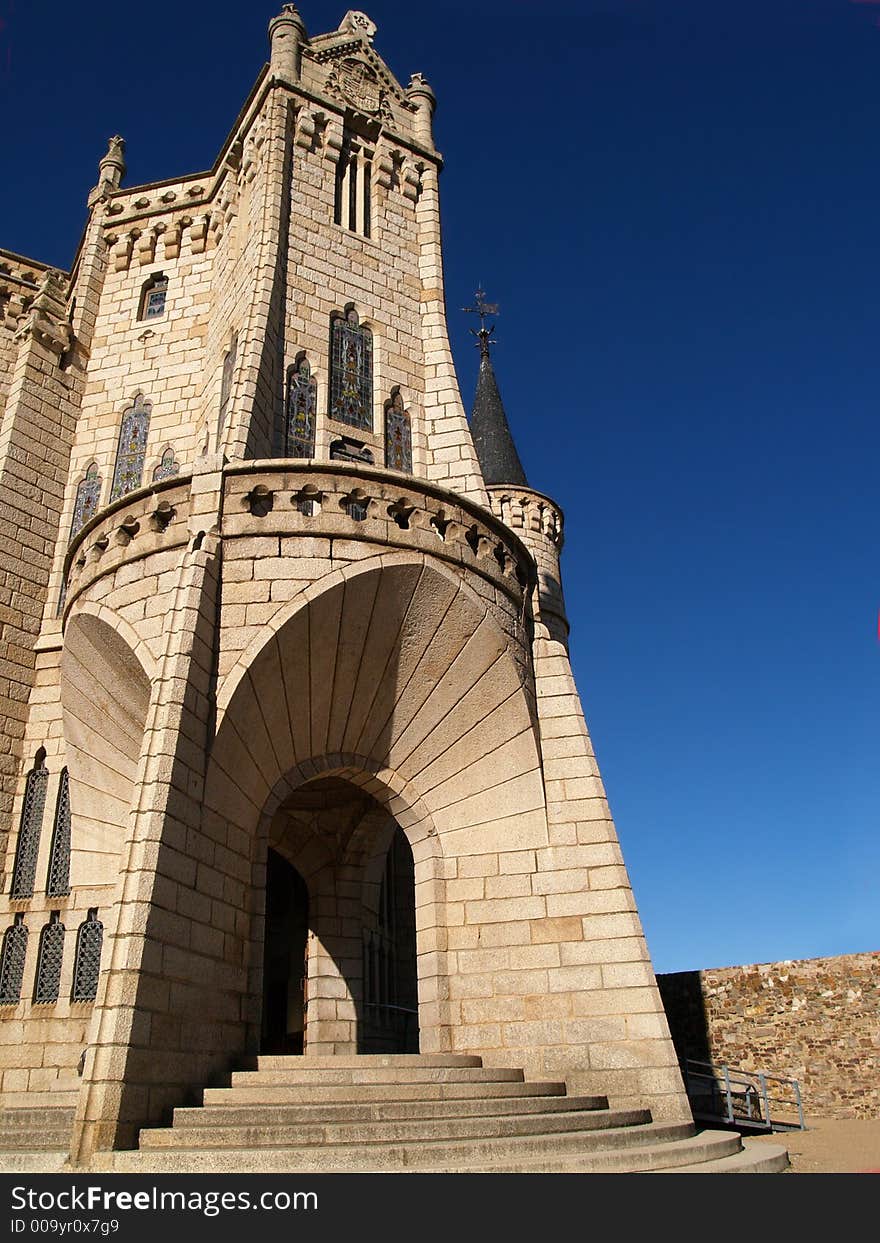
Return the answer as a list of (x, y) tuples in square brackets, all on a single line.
[(676, 205)]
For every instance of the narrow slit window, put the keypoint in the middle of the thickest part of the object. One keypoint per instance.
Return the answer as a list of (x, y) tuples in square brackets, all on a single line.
[(87, 964), (14, 952), (88, 497), (30, 827), (398, 434), (58, 878), (153, 296), (302, 403), (49, 961), (226, 384)]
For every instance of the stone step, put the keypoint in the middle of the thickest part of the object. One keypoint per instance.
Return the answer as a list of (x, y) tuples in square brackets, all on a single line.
[(704, 1152), (380, 1111), (753, 1159), (32, 1162), (37, 1116), (375, 1074), (424, 1131), (55, 1098), (307, 1093), (511, 1153), (355, 1061), (34, 1139)]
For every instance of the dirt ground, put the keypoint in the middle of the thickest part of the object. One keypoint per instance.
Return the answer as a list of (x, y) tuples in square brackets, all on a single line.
[(831, 1146)]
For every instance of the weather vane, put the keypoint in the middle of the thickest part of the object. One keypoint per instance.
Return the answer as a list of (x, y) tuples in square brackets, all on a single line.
[(482, 308)]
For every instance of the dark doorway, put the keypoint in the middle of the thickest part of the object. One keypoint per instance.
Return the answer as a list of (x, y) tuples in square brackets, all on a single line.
[(284, 958), (390, 1014)]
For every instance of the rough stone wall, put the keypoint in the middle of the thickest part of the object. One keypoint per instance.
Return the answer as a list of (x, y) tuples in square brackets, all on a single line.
[(816, 1020)]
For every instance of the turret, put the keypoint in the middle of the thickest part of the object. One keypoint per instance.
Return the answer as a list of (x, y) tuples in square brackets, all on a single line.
[(287, 33)]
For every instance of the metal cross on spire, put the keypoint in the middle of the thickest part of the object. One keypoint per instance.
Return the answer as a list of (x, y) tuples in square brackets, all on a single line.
[(482, 308)]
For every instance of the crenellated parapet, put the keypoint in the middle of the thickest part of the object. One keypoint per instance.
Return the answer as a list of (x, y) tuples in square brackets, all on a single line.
[(538, 521)]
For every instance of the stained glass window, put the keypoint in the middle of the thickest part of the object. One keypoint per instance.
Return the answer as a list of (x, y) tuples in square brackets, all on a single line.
[(226, 384), (132, 447), (51, 955), (398, 435), (28, 846), (351, 371), (302, 392), (167, 468), (15, 940), (58, 878), (153, 297), (88, 496), (87, 964)]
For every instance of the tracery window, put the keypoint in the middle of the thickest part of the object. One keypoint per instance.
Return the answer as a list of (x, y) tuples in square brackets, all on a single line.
[(351, 370), (398, 434), (302, 393), (12, 961), (167, 468), (153, 297), (58, 876), (87, 964), (28, 845), (49, 960), (88, 496), (132, 447)]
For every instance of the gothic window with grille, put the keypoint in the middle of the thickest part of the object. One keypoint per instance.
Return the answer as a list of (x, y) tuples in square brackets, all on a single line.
[(153, 296), (168, 467), (226, 384), (351, 371), (49, 959), (58, 877), (87, 963), (88, 497), (302, 392), (132, 447), (12, 961), (28, 846), (398, 434)]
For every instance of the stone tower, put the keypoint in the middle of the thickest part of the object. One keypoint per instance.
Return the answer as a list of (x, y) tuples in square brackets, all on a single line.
[(293, 754)]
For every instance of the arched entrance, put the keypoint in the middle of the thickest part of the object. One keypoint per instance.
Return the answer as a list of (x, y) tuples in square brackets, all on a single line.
[(339, 959)]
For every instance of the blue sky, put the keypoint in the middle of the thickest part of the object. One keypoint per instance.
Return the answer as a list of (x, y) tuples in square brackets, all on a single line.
[(676, 205)]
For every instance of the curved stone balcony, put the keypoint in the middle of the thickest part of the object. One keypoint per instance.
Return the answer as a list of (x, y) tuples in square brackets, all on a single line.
[(335, 500)]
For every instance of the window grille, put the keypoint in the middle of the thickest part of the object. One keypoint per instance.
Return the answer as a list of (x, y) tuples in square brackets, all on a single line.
[(167, 467), (302, 394), (87, 963), (351, 371), (88, 496), (48, 982), (398, 435), (352, 205), (58, 877), (12, 961), (28, 846), (132, 447)]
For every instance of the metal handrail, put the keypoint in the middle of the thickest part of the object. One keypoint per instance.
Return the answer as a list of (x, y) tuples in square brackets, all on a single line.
[(738, 1089)]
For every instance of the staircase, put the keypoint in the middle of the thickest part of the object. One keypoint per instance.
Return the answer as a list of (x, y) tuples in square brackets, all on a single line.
[(419, 1113), (35, 1139)]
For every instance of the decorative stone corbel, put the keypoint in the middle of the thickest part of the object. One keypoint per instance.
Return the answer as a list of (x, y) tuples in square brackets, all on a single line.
[(198, 234), (146, 247), (46, 319), (122, 252), (171, 239)]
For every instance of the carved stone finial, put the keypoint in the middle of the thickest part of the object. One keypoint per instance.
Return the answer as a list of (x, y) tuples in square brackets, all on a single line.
[(357, 23)]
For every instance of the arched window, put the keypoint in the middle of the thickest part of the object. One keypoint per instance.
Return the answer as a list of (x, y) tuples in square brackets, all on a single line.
[(153, 294), (48, 981), (87, 963), (12, 961), (28, 845), (351, 370), (226, 384), (398, 434), (58, 876), (132, 447), (302, 392), (88, 497), (167, 468)]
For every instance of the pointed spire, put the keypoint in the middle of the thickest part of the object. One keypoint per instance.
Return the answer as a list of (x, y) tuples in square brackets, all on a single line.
[(493, 440)]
